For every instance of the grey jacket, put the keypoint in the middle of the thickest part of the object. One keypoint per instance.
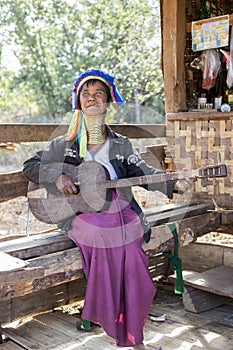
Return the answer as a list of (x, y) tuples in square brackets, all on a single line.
[(125, 160)]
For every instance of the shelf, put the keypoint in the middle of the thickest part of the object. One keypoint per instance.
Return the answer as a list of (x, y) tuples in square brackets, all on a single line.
[(199, 116)]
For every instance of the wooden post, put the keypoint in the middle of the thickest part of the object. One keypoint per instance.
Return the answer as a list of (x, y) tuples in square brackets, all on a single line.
[(173, 47)]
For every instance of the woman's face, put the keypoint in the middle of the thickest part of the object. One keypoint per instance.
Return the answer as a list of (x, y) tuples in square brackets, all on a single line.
[(93, 98)]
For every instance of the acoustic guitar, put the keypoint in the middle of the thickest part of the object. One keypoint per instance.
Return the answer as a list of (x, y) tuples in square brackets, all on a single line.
[(51, 206)]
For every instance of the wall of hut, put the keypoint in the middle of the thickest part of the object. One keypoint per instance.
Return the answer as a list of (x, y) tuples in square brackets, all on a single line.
[(196, 137)]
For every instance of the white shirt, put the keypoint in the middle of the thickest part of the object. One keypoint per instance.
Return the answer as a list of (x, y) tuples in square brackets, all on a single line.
[(102, 156)]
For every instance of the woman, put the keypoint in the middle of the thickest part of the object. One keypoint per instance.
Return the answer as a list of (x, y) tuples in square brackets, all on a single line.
[(120, 289)]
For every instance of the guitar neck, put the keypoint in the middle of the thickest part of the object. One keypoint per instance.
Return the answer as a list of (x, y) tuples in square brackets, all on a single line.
[(149, 179)]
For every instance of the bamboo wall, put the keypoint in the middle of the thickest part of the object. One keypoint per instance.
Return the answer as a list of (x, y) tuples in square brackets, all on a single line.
[(195, 141)]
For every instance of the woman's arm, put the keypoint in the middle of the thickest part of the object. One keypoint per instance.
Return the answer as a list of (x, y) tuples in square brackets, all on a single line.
[(38, 169)]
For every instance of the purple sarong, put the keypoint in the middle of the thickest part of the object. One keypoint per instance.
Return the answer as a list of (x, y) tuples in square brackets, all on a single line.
[(120, 289)]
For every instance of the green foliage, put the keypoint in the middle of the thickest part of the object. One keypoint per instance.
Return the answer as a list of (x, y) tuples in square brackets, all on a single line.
[(55, 40)]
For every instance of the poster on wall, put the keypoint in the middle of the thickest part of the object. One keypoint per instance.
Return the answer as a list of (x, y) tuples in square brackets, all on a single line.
[(210, 33)]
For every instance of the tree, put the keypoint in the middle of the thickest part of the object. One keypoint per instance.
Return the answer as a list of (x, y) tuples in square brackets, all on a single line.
[(55, 40)]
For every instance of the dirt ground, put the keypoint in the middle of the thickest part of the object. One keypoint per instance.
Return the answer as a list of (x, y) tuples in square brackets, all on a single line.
[(16, 220)]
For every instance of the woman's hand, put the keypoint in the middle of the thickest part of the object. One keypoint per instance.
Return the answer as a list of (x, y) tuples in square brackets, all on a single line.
[(65, 184), (186, 183)]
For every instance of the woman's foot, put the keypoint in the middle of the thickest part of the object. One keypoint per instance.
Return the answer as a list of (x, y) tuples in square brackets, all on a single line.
[(86, 325)]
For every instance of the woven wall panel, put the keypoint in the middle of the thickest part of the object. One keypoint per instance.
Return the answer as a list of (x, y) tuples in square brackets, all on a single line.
[(197, 143)]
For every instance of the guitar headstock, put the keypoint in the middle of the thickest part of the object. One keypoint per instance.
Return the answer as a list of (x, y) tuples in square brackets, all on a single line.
[(212, 171)]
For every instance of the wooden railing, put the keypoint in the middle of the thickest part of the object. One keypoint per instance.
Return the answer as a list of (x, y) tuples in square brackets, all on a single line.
[(44, 132)]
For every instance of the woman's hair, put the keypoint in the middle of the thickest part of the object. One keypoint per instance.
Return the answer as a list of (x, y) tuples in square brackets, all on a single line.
[(92, 82)]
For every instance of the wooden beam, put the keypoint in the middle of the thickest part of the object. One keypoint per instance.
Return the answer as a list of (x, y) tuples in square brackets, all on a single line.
[(196, 301), (42, 300), (187, 116), (200, 257), (57, 268), (187, 229), (172, 215), (37, 245), (218, 280), (12, 185), (173, 18), (227, 217), (10, 263), (44, 132)]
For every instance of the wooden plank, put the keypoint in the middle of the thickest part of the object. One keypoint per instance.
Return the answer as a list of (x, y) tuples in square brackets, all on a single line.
[(188, 116), (10, 345), (222, 315), (35, 335), (37, 245), (30, 132), (44, 132), (178, 214), (12, 185), (188, 230), (218, 280), (200, 257), (223, 200), (61, 322), (185, 330), (43, 272), (9, 263), (21, 275), (52, 332), (196, 301), (139, 131), (63, 261), (42, 300), (68, 261), (227, 217), (227, 256), (154, 155), (181, 330), (20, 289), (163, 208), (58, 268)]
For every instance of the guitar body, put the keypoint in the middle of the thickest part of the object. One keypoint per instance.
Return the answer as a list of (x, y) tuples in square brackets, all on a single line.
[(50, 206), (54, 208)]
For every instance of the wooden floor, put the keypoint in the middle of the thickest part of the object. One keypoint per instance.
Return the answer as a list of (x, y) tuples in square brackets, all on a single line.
[(210, 330)]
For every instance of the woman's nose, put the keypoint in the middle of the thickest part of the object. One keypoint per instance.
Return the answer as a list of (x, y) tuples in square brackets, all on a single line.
[(91, 97)]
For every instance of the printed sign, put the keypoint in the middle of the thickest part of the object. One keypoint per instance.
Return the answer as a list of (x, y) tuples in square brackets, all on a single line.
[(210, 33)]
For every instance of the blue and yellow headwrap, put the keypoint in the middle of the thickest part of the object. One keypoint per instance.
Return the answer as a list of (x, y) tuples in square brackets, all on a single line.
[(77, 126)]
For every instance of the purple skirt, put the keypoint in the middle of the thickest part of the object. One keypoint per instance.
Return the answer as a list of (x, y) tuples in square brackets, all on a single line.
[(120, 290)]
